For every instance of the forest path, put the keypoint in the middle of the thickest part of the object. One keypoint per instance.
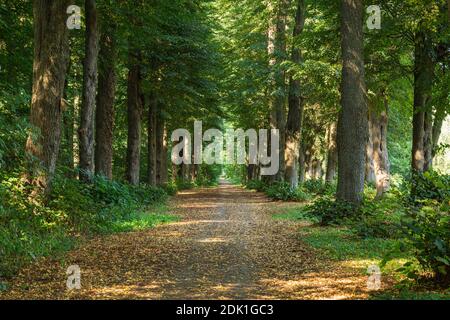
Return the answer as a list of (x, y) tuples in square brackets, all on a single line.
[(225, 246)]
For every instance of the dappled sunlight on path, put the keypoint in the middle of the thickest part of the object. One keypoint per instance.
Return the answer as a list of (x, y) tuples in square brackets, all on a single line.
[(225, 246)]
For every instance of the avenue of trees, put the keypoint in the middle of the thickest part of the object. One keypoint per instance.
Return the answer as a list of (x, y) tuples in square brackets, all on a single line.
[(355, 106)]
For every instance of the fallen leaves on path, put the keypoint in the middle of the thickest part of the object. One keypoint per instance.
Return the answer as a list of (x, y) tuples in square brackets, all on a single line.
[(226, 246)]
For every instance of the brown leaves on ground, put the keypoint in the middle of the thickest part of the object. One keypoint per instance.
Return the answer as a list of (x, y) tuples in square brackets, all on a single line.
[(226, 246)]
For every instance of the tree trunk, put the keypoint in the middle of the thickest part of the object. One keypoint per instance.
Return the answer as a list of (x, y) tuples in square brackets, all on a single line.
[(105, 106), (295, 114), (277, 54), (369, 169), (352, 126), (51, 56), (134, 122), (301, 165), (280, 80), (332, 157), (428, 141), (67, 144), (380, 151), (436, 134), (161, 151), (423, 79), (151, 143), (86, 130), (164, 152)]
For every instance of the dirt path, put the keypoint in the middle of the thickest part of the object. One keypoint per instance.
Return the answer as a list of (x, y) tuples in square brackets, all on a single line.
[(226, 246)]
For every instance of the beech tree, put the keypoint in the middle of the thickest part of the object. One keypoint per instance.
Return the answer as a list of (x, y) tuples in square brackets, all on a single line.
[(51, 56), (352, 126), (295, 113), (87, 113)]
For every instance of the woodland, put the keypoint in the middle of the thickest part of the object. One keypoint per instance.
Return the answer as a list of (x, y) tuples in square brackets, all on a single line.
[(91, 91)]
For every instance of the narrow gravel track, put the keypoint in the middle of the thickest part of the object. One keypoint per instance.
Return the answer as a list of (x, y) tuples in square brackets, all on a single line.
[(225, 246)]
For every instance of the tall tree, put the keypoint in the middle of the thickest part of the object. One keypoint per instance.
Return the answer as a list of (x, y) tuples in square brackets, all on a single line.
[(104, 120), (352, 126), (423, 82), (151, 136), (134, 103), (90, 76), (332, 156), (381, 164), (295, 113), (51, 56)]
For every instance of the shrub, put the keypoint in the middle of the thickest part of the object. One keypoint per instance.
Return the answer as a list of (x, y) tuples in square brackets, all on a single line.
[(257, 185), (29, 229), (319, 187), (171, 188), (284, 191), (428, 230), (429, 186), (378, 219), (185, 184), (330, 211)]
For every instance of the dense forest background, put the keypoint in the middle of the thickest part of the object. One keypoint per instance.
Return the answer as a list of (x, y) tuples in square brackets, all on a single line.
[(362, 113)]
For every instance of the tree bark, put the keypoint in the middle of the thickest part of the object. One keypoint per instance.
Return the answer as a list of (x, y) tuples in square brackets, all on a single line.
[(51, 56), (105, 105), (161, 151), (369, 169), (134, 122), (295, 113), (151, 143), (301, 165), (332, 157), (423, 79), (352, 126), (280, 80), (436, 134), (86, 130), (380, 150), (276, 49)]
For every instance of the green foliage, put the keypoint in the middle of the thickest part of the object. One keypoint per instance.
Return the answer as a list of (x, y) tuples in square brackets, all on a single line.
[(378, 219), (428, 230), (30, 229), (183, 184), (283, 191), (372, 219), (257, 185), (319, 187), (171, 188), (330, 211), (429, 186)]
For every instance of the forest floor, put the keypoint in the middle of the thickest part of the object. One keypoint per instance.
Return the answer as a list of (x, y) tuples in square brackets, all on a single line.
[(226, 245)]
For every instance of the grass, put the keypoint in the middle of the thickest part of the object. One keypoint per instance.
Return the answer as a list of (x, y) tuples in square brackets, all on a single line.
[(340, 244), (141, 220)]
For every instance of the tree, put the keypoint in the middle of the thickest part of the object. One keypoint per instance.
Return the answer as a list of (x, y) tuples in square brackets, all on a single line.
[(332, 157), (51, 53), (295, 113), (134, 103), (422, 118), (352, 125), (381, 163), (87, 123), (104, 119), (151, 142), (277, 55)]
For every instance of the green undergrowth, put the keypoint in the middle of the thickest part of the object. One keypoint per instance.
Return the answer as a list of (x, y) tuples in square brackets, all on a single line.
[(406, 233), (74, 210)]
